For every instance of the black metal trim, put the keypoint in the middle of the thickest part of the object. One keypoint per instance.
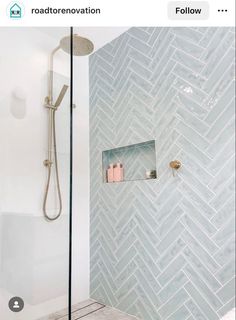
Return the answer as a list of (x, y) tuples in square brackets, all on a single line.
[(71, 177)]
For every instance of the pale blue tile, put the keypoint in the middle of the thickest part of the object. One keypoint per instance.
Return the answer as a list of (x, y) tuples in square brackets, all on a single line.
[(195, 311), (196, 214), (222, 120), (154, 35), (196, 126), (150, 308), (139, 57), (197, 185), (182, 313), (205, 257), (170, 253), (224, 213), (170, 271), (196, 231), (187, 33), (198, 202), (162, 41), (184, 100), (173, 286), (214, 58), (147, 287), (194, 151), (147, 272), (206, 275), (170, 214), (227, 291), (227, 307), (202, 304), (173, 304), (227, 60), (188, 47), (226, 253), (217, 36), (208, 37), (221, 139), (147, 243), (225, 232), (227, 272), (157, 67), (203, 289), (139, 45), (188, 75), (188, 61), (147, 258), (105, 55), (139, 34), (170, 237)]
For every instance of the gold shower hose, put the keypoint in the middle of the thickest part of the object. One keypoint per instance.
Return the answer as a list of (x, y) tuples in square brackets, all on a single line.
[(48, 163)]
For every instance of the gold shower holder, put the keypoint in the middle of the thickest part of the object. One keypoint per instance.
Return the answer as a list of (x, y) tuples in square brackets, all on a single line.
[(47, 163), (175, 165)]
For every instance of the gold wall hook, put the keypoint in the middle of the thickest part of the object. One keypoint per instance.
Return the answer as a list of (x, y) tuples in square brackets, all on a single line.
[(175, 165)]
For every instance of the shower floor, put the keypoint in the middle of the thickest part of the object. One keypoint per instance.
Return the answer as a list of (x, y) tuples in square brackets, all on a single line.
[(90, 310)]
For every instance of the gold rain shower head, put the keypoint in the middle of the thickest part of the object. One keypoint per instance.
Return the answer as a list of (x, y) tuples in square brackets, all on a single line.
[(81, 46)]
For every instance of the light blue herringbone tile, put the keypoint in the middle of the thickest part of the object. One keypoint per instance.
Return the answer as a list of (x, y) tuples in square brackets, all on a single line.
[(164, 249)]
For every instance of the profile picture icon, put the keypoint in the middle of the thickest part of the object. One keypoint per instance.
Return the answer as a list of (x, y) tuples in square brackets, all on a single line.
[(15, 10), (16, 304)]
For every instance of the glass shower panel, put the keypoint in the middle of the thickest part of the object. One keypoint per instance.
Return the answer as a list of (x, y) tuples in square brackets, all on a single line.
[(34, 251)]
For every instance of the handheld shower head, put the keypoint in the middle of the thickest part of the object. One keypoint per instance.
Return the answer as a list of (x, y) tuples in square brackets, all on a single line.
[(81, 46), (61, 96)]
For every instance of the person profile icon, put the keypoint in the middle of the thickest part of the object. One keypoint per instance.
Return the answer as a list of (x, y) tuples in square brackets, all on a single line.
[(16, 305)]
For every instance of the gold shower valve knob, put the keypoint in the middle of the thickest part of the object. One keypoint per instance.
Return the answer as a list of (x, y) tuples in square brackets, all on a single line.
[(175, 164)]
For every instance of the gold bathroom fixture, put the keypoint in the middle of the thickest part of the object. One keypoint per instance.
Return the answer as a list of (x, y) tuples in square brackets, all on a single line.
[(81, 47), (175, 165)]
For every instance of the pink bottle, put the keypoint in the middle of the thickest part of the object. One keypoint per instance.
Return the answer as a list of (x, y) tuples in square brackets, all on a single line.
[(118, 172), (110, 173)]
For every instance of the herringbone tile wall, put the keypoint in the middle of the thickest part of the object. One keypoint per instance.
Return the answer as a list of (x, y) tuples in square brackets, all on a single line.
[(164, 249)]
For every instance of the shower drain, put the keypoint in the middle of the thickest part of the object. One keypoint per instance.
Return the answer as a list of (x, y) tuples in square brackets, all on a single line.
[(84, 311)]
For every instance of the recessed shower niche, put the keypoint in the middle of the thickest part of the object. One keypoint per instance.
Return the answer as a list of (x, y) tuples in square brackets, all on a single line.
[(129, 163)]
